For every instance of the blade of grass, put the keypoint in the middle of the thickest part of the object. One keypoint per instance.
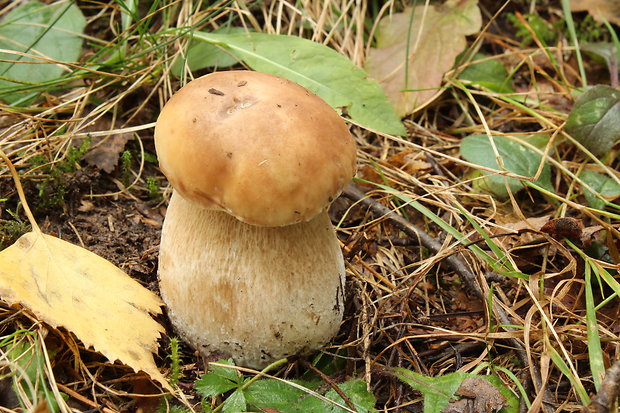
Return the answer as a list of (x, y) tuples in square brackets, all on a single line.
[(568, 16), (595, 353), (563, 367)]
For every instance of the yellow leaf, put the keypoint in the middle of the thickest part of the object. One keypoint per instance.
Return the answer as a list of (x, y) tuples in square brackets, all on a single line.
[(417, 47), (67, 286)]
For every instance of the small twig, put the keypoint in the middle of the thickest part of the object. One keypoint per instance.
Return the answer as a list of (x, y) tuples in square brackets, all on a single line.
[(329, 381), (83, 399), (607, 397)]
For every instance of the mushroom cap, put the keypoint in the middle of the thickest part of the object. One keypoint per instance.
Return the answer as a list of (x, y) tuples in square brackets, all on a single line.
[(262, 148)]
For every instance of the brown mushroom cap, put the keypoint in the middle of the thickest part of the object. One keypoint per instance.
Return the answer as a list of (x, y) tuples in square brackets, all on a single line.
[(261, 147)]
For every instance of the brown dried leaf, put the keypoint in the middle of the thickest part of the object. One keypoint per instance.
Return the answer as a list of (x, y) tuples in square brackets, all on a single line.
[(433, 41), (65, 285), (478, 396), (601, 10), (107, 151), (104, 151)]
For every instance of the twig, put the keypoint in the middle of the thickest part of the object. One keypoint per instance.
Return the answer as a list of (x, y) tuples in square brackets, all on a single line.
[(607, 398), (83, 399), (329, 381)]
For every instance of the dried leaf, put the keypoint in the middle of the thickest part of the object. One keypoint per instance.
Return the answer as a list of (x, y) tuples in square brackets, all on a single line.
[(601, 10), (478, 395), (106, 151), (65, 285), (415, 48)]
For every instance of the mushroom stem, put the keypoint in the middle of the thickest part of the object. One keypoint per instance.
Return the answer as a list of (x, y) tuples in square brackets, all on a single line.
[(256, 294)]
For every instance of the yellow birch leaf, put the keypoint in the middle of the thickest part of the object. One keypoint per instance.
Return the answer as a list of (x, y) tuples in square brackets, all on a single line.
[(67, 286), (415, 51)]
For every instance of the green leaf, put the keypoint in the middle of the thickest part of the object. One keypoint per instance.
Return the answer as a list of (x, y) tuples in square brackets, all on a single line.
[(201, 54), (211, 385), (606, 50), (218, 380), (235, 403), (357, 393), (594, 121), (42, 30), (319, 69), (439, 391), (488, 74), (602, 184), (272, 393), (516, 157), (355, 390)]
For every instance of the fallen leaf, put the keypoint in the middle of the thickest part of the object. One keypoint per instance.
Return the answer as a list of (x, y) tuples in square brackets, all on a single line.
[(104, 151), (42, 32), (409, 161), (488, 74), (517, 157), (67, 286), (417, 47), (601, 10), (477, 396)]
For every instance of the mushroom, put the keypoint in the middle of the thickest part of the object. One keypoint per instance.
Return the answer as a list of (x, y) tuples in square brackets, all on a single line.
[(249, 263)]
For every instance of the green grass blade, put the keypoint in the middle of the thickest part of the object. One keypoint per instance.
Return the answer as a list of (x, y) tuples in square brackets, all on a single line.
[(561, 365), (595, 353)]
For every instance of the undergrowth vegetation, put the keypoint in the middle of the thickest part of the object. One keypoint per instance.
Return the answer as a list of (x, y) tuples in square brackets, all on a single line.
[(481, 234)]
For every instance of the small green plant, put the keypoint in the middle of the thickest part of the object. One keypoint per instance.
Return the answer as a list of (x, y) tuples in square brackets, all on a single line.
[(173, 378), (126, 168), (12, 229), (175, 362), (23, 353), (152, 186), (53, 189), (543, 31), (243, 393), (589, 30)]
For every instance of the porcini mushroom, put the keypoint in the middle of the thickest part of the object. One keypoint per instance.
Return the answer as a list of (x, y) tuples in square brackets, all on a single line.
[(249, 263)]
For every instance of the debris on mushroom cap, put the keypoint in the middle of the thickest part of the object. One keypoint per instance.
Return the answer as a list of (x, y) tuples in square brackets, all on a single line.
[(261, 147)]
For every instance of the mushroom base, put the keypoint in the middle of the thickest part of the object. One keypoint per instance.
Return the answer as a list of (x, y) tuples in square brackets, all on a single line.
[(256, 294)]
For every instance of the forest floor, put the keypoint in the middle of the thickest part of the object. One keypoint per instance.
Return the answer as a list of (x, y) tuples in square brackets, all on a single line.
[(448, 271)]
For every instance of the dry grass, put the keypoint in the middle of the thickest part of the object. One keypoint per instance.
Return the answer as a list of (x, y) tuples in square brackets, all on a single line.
[(408, 307)]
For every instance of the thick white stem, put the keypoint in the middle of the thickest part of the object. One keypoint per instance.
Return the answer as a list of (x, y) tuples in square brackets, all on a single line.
[(256, 294)]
